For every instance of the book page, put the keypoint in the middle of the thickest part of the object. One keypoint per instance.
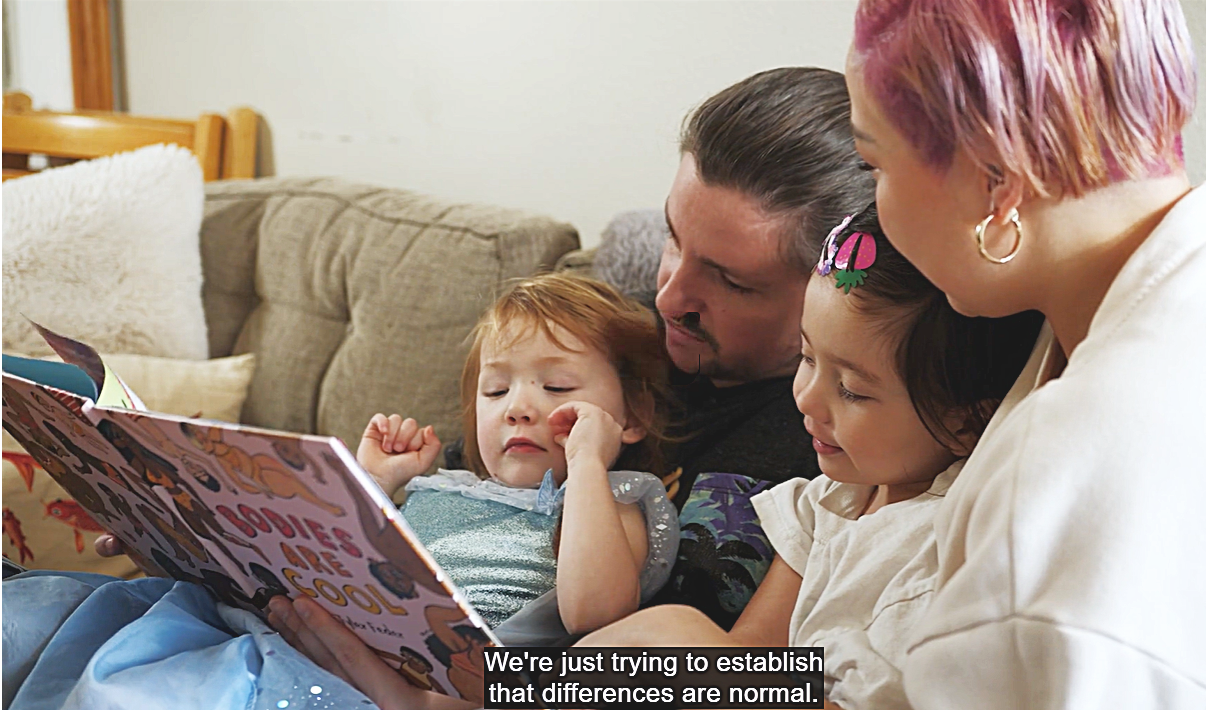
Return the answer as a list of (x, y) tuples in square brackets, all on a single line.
[(297, 515), (110, 493), (112, 392)]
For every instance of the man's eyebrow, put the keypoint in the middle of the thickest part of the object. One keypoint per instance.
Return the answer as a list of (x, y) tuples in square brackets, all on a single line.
[(703, 259), (669, 225), (846, 364)]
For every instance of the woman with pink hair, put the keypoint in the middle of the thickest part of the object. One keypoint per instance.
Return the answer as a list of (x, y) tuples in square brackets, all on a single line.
[(1028, 156)]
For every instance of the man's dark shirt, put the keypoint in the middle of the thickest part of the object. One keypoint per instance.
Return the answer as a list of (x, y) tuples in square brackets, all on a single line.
[(735, 442)]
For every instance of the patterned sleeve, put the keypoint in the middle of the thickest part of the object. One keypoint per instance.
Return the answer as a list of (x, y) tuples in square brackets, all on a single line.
[(787, 516)]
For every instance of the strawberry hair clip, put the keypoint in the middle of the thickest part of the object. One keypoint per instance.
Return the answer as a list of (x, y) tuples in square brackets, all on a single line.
[(851, 260)]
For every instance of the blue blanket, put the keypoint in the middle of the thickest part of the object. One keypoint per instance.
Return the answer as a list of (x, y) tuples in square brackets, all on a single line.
[(91, 641)]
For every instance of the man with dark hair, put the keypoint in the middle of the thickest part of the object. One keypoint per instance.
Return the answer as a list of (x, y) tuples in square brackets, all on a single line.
[(768, 168)]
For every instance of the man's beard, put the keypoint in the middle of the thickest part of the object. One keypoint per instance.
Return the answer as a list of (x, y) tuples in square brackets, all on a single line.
[(690, 323), (714, 368)]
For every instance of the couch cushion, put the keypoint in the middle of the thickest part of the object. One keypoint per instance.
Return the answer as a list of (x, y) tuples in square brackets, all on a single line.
[(210, 389), (357, 299), (105, 251)]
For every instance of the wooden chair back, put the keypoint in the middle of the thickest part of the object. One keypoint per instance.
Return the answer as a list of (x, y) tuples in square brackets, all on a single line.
[(225, 149)]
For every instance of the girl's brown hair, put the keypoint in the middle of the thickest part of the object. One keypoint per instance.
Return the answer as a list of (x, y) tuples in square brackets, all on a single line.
[(595, 313)]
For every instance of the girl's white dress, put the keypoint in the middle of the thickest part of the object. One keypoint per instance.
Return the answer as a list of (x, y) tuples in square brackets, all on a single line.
[(865, 580)]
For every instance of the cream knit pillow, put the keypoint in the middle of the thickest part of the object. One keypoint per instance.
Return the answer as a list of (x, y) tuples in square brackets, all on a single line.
[(107, 251)]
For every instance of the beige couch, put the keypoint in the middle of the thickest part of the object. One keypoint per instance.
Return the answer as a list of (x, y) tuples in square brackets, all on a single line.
[(357, 299), (354, 300)]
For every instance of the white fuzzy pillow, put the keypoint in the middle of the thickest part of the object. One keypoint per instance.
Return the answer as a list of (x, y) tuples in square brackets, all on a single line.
[(108, 251)]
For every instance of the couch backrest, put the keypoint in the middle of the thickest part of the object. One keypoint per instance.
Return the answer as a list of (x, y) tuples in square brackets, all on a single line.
[(357, 299)]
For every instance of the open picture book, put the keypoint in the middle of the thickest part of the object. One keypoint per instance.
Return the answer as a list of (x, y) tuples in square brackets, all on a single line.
[(247, 513)]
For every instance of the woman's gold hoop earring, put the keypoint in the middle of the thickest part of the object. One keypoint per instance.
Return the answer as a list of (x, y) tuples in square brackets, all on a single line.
[(1017, 227)]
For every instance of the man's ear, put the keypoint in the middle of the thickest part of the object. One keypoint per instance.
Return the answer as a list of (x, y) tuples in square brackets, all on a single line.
[(640, 409)]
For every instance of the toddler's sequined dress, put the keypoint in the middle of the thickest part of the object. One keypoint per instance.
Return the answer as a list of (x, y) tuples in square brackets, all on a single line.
[(495, 541)]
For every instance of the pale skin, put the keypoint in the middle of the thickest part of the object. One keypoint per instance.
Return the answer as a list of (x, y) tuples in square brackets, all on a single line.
[(857, 408), (724, 262), (1073, 250), (591, 590), (541, 406)]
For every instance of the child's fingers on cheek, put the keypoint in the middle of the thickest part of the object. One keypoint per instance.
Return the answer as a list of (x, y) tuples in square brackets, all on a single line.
[(565, 415)]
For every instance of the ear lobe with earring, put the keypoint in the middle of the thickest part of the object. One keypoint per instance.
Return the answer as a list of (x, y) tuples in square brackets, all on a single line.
[(1013, 219)]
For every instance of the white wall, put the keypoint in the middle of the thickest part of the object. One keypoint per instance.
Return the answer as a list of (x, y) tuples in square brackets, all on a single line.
[(571, 109), (1195, 133), (40, 51), (566, 108)]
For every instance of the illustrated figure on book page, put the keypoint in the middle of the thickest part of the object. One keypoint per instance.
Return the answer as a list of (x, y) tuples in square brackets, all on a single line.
[(460, 648), (97, 477), (257, 473), (400, 568), (157, 472), (195, 465), (412, 664)]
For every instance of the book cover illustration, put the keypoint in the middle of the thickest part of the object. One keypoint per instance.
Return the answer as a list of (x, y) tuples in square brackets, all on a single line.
[(250, 514), (309, 521), (54, 429)]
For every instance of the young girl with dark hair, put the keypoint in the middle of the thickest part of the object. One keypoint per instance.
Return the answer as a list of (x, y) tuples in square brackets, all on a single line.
[(895, 388)]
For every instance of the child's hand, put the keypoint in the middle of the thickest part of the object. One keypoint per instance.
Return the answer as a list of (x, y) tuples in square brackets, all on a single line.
[(395, 450), (587, 433)]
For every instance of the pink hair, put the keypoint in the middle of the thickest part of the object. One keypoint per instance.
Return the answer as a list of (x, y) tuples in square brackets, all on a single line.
[(1070, 95)]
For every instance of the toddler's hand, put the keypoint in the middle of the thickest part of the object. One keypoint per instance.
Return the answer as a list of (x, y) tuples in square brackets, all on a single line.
[(586, 432), (395, 450)]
